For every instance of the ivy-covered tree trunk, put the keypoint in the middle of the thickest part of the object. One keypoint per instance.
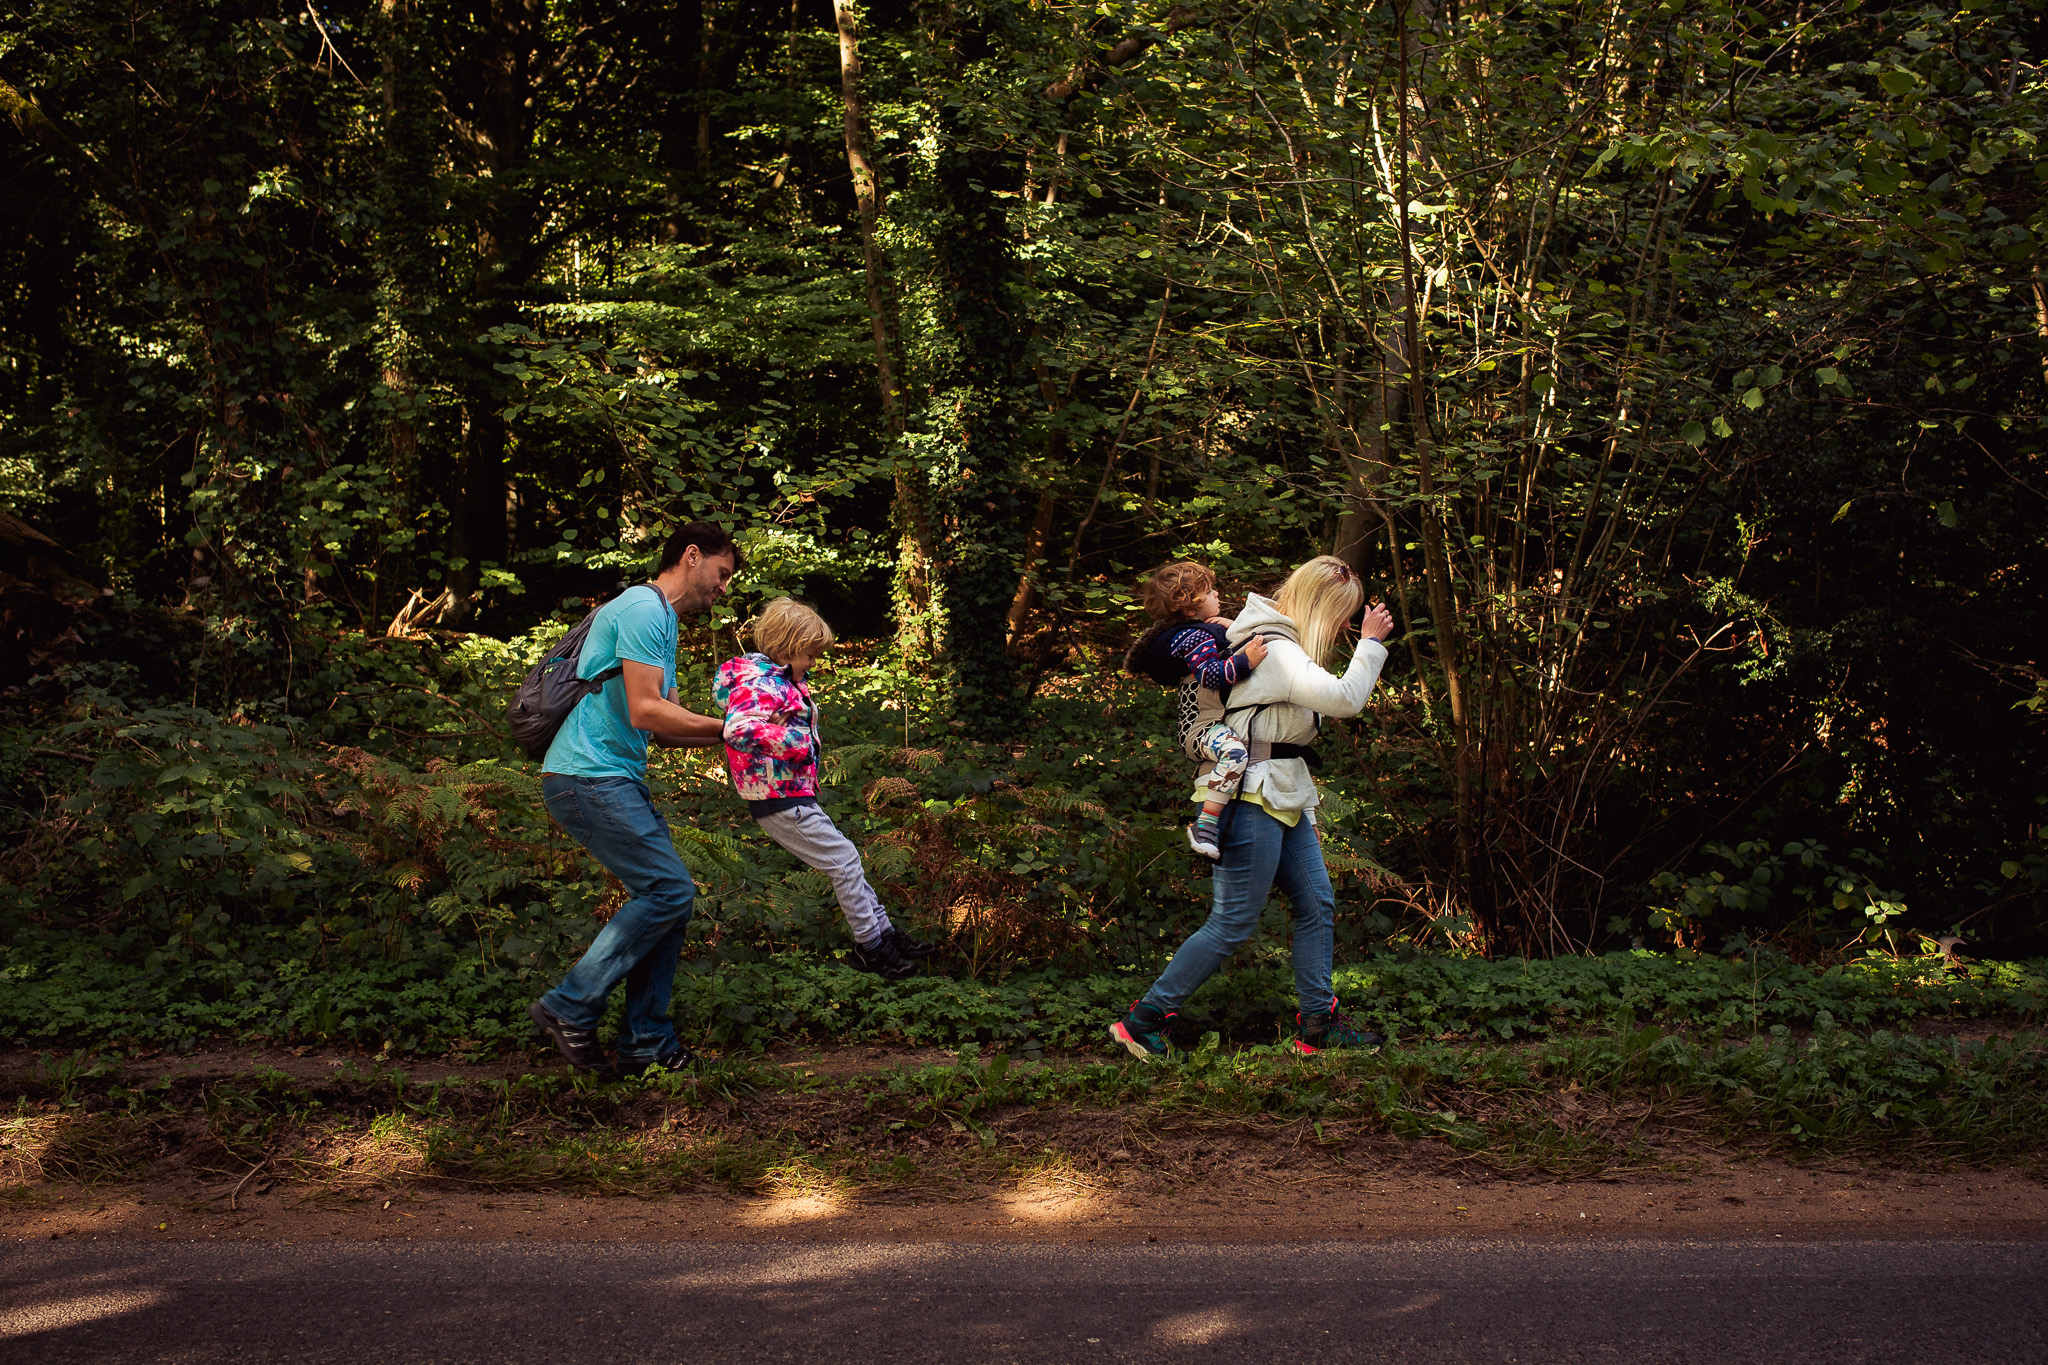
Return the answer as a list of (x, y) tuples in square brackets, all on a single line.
[(963, 435), (912, 584), (971, 425)]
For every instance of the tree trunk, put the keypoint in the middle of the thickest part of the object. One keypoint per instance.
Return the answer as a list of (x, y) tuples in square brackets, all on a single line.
[(913, 585), (1026, 596), (1436, 561), (1368, 459), (972, 413), (705, 65)]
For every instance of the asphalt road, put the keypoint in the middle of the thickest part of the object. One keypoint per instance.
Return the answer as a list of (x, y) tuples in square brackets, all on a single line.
[(1464, 1301)]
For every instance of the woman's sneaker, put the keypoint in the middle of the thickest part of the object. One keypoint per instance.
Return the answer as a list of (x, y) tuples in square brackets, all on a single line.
[(884, 958), (1318, 1032), (1142, 1032)]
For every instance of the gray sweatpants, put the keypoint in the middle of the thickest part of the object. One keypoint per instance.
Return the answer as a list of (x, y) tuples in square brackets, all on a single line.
[(810, 834)]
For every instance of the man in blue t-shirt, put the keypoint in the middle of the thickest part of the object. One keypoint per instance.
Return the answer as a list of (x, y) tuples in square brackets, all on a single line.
[(594, 780)]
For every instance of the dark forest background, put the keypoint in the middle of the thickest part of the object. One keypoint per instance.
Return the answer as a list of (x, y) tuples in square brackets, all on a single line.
[(1675, 369)]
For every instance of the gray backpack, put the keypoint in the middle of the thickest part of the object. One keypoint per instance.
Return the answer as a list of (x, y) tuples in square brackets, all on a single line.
[(551, 689)]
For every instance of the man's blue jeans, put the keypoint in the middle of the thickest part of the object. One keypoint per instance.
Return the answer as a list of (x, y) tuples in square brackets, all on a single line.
[(1260, 853), (615, 818)]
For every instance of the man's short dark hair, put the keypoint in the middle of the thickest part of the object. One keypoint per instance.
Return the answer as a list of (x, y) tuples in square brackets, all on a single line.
[(710, 540)]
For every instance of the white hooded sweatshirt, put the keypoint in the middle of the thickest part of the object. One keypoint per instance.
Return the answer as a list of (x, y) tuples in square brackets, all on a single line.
[(1294, 690)]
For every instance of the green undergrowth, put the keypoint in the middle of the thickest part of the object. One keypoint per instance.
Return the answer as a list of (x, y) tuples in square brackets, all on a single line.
[(1618, 1099), (466, 1007)]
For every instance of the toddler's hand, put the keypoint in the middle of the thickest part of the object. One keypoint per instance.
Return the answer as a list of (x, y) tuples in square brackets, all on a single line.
[(1255, 650), (1378, 623)]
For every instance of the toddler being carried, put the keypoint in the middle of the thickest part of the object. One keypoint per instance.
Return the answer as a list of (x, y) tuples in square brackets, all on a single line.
[(1188, 648)]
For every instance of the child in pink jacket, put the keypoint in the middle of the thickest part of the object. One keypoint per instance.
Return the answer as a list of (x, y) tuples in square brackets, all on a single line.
[(771, 750)]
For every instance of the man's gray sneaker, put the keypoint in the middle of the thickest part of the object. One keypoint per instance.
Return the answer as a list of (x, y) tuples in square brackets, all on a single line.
[(674, 1064), (579, 1046)]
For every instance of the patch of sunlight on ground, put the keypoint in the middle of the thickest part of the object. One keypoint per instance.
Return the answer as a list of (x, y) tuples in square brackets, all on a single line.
[(1053, 1190), (810, 1265), (75, 1310), (1203, 1327), (797, 1192)]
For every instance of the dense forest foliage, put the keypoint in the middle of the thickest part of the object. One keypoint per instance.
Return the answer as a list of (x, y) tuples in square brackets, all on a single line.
[(1675, 369)]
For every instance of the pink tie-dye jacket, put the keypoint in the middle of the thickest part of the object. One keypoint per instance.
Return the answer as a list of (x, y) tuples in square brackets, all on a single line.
[(771, 729)]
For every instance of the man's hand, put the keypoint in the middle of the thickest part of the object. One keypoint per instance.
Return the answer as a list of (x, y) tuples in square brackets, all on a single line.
[(1255, 650), (1378, 623), (670, 724)]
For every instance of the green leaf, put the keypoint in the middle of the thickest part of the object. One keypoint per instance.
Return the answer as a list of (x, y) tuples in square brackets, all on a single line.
[(1753, 400), (1897, 82), (1693, 434), (1947, 512), (1721, 427)]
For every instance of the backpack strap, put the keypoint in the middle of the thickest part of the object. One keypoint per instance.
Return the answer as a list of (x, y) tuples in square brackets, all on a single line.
[(599, 680)]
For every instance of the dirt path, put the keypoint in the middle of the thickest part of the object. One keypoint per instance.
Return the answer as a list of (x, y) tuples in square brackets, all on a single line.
[(1211, 1187)]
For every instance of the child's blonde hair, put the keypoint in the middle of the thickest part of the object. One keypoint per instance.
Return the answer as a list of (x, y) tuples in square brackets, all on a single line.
[(786, 627), (1176, 588), (1319, 598)]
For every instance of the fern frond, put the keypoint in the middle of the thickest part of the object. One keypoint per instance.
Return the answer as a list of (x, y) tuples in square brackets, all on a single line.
[(408, 876), (1059, 800), (702, 848)]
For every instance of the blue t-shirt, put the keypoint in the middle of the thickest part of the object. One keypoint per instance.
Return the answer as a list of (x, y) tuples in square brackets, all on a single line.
[(597, 739)]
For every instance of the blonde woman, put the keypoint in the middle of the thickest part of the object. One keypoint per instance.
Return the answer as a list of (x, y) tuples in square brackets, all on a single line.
[(772, 749), (1269, 837)]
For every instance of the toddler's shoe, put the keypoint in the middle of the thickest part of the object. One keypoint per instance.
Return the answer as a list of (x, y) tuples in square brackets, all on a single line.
[(883, 958), (1204, 841), (909, 946)]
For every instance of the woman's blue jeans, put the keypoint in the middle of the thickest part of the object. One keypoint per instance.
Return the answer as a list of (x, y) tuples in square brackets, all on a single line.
[(615, 818), (1260, 853)]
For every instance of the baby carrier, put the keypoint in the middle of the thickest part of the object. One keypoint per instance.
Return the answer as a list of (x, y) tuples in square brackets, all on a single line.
[(1149, 658), (1196, 708)]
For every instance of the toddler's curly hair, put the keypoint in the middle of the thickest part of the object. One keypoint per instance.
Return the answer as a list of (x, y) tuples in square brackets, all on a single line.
[(1170, 592)]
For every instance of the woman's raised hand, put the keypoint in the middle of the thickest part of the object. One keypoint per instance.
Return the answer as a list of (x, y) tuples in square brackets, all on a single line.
[(1378, 623)]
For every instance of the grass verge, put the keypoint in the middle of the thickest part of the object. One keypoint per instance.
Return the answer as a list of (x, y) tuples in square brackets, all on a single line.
[(1592, 1102)]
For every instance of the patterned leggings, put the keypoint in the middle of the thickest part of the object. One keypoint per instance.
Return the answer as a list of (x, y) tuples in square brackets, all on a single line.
[(1222, 744)]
